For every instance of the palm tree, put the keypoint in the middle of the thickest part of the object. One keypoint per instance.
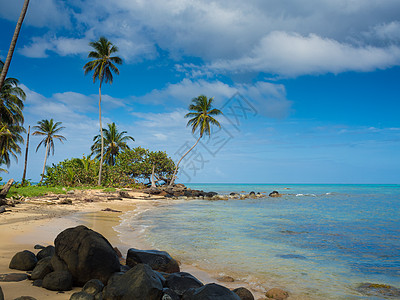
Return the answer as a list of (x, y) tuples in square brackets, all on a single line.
[(11, 102), (49, 130), (103, 67), (10, 137), (114, 142), (13, 43), (201, 118)]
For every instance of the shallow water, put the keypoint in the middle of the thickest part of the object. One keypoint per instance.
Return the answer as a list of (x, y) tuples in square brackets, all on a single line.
[(317, 241)]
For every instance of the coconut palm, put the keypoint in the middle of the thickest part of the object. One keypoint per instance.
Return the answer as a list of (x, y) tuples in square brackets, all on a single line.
[(102, 66), (49, 130), (11, 102), (13, 43), (201, 118), (10, 137), (114, 142)]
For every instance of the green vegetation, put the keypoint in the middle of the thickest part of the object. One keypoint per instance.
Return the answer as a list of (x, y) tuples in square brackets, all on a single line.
[(49, 130), (102, 66), (114, 142), (201, 118)]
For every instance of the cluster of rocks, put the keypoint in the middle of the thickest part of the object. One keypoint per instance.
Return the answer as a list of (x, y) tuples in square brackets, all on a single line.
[(181, 191), (84, 258)]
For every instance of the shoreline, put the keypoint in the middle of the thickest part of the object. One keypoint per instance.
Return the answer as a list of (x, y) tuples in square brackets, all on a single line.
[(29, 224)]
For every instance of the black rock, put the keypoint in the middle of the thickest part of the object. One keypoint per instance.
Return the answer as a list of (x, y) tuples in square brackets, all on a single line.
[(233, 194), (243, 293), (81, 296), (180, 282), (210, 194), (169, 294), (210, 291), (13, 277), (158, 260), (2, 209), (93, 287), (139, 283), (58, 264), (1, 294), (24, 261), (38, 282), (43, 267), (87, 254), (125, 268), (37, 246), (48, 251), (274, 194), (252, 193), (58, 281), (25, 298)]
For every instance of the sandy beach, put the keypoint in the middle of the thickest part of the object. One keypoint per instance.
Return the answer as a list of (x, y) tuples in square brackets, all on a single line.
[(39, 222)]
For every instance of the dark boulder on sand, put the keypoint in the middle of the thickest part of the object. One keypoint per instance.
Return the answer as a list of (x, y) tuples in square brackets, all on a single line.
[(45, 252), (243, 293), (25, 298), (93, 287), (23, 261), (210, 291), (42, 268), (1, 294), (180, 282), (139, 283), (58, 281), (158, 260), (86, 254)]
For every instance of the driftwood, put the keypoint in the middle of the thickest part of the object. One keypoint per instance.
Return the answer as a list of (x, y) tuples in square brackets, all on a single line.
[(4, 191)]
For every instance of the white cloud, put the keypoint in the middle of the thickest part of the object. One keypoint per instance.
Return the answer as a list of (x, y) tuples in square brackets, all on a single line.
[(292, 55)]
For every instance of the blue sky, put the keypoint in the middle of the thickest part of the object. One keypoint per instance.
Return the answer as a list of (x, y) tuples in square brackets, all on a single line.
[(309, 89)]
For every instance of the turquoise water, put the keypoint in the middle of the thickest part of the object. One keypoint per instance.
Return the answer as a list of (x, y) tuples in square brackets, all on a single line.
[(317, 241)]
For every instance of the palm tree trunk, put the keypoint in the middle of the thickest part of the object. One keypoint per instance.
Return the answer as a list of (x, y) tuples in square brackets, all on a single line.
[(177, 165), (26, 155), (45, 159), (102, 138), (13, 43), (153, 184)]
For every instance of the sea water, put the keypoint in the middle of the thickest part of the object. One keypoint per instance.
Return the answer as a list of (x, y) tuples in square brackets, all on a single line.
[(316, 241)]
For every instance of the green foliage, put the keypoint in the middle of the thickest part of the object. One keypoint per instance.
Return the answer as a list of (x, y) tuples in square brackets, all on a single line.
[(132, 166)]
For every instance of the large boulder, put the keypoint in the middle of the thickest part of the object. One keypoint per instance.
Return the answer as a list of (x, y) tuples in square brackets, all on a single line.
[(181, 282), (81, 296), (45, 252), (139, 283), (93, 287), (158, 260), (58, 281), (1, 294), (210, 291), (24, 261), (87, 255), (42, 268)]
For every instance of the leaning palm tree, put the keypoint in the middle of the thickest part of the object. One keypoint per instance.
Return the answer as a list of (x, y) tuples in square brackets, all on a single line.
[(13, 43), (114, 142), (102, 66), (201, 118), (49, 130)]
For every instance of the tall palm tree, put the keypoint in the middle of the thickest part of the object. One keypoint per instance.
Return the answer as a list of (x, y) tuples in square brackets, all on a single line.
[(102, 66), (114, 142), (201, 118), (49, 130), (13, 43), (11, 102)]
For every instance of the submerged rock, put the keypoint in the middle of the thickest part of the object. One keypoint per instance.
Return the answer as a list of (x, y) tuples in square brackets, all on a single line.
[(277, 294), (13, 277), (379, 290)]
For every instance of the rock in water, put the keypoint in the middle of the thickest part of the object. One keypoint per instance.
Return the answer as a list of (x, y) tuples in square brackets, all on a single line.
[(277, 294), (243, 293), (274, 194), (139, 283), (210, 291), (86, 253), (24, 261), (58, 281), (158, 260)]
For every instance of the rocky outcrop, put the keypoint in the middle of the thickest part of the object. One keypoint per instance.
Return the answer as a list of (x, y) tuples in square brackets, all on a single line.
[(210, 291), (140, 283), (24, 261), (86, 254), (58, 281), (158, 260), (180, 282)]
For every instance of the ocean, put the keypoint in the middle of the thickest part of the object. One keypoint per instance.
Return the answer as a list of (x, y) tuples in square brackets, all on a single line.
[(316, 241)]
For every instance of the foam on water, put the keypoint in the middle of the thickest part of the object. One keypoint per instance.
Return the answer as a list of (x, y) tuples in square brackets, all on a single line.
[(320, 245)]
